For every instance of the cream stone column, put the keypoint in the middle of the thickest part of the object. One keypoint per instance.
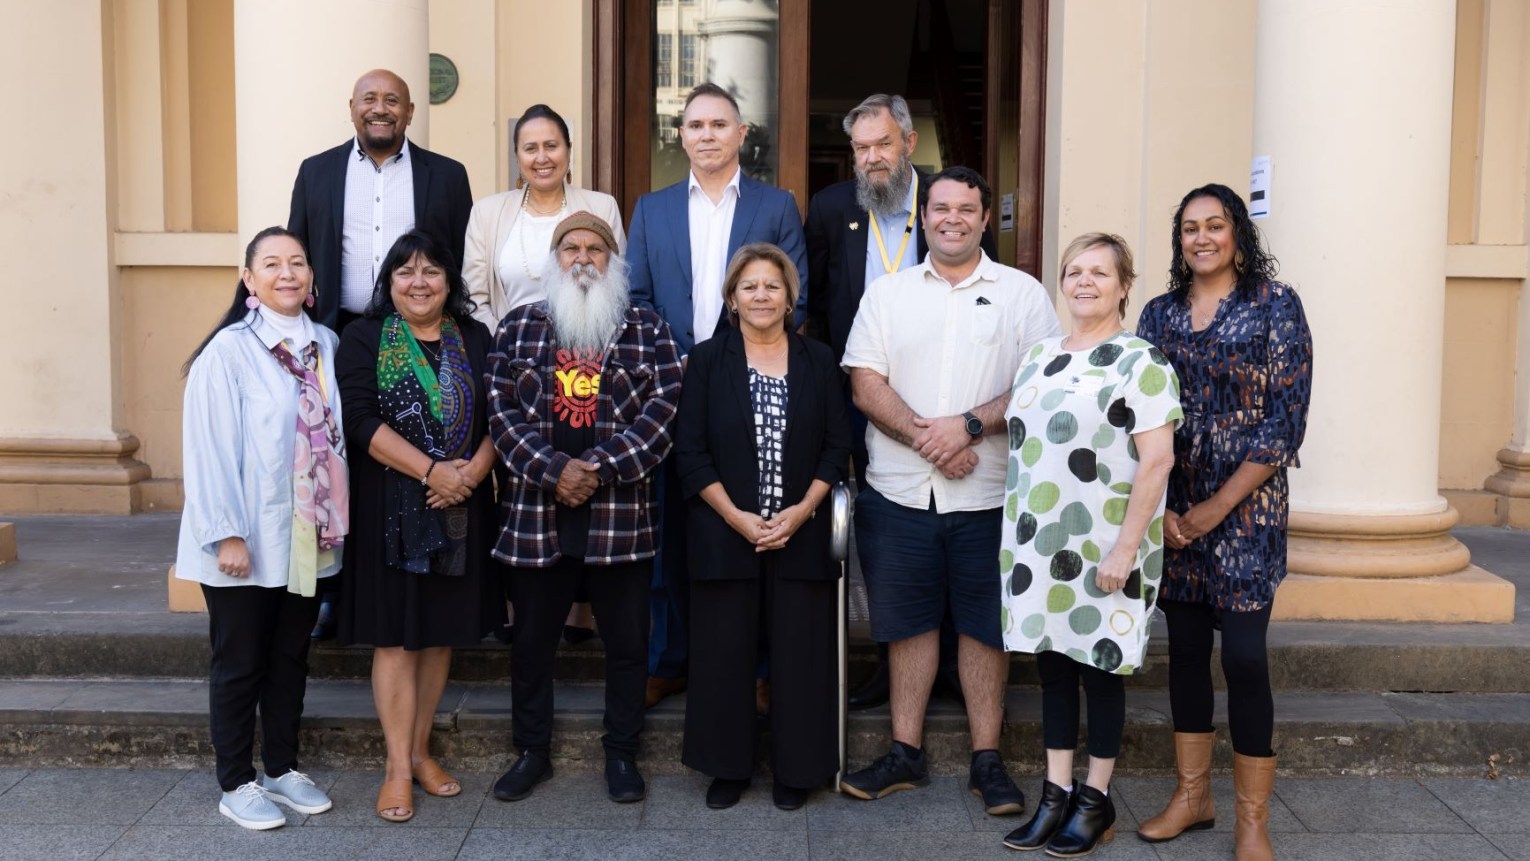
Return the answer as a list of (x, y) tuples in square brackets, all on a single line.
[(295, 62), (62, 447), (1353, 106), (1512, 480), (741, 55)]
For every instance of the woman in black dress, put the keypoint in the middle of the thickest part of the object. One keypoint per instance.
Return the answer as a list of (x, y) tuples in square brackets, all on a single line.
[(419, 579), (761, 437)]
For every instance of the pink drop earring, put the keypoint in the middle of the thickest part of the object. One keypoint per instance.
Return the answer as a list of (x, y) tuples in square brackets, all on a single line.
[(252, 303)]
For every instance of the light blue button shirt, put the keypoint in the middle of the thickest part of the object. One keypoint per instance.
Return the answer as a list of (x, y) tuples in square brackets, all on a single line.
[(892, 234), (238, 429)]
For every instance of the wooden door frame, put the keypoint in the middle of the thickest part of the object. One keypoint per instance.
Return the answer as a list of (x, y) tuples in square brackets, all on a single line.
[(622, 98)]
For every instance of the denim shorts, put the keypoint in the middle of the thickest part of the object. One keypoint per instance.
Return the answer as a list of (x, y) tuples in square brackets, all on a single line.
[(916, 562)]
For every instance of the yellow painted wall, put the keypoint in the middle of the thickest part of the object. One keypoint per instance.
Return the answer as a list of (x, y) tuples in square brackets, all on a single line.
[(214, 145), (542, 49), (464, 127), (1477, 410)]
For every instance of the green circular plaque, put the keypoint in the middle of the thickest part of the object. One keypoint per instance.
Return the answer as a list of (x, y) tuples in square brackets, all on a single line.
[(443, 78)]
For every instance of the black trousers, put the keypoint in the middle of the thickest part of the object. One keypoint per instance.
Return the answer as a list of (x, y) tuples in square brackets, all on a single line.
[(542, 597), (1245, 664), (800, 632), (1106, 692), (259, 660)]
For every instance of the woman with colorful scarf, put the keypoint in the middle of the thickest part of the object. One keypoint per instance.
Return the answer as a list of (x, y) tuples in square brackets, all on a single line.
[(265, 517), (419, 579)]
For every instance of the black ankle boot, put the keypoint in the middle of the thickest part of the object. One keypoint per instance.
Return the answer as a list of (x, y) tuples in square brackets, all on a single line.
[(1091, 820), (1051, 810)]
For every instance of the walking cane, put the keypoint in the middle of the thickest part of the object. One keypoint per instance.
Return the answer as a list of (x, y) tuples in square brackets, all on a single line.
[(839, 546)]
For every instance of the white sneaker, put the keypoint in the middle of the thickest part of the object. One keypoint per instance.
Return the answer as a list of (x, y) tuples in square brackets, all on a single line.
[(249, 806), (295, 790)]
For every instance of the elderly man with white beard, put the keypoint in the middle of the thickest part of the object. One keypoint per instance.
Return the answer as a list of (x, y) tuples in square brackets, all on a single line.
[(582, 390)]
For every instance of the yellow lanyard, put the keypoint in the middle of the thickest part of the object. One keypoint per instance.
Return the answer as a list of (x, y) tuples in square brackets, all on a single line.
[(908, 230)]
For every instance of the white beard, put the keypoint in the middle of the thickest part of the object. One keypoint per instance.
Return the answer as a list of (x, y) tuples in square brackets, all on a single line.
[(586, 306)]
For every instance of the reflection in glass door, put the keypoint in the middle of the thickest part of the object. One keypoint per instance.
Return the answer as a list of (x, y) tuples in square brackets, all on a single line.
[(732, 43)]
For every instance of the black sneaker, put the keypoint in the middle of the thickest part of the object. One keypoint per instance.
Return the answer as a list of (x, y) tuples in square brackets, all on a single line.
[(532, 768), (988, 780), (894, 771), (624, 783)]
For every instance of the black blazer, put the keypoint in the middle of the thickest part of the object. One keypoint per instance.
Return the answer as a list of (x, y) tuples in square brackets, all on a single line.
[(714, 441), (442, 203), (837, 259)]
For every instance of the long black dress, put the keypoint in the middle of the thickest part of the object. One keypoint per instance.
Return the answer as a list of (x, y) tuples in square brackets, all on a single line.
[(381, 605)]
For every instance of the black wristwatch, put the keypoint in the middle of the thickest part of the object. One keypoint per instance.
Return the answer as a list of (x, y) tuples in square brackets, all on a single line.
[(974, 426)]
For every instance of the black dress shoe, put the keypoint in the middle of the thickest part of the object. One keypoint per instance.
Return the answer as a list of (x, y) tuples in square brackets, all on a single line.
[(1091, 820), (624, 783), (532, 768), (574, 634), (329, 619), (724, 793), (505, 634), (873, 692), (1049, 816), (787, 797), (948, 684)]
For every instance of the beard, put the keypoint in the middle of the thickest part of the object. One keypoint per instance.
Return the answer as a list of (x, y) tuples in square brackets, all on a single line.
[(885, 198), (585, 304)]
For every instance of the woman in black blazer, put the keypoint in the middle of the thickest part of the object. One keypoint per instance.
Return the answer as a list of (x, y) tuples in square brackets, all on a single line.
[(761, 437)]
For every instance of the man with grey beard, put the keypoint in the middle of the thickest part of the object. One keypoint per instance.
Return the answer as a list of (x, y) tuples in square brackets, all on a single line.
[(582, 390), (848, 249)]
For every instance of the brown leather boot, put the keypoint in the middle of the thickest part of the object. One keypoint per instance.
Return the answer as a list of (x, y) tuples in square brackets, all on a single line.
[(1191, 807), (1253, 779)]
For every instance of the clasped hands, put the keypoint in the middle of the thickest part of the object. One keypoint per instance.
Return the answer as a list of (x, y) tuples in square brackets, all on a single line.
[(1179, 530), (577, 483), (769, 534), (450, 483), (945, 443)]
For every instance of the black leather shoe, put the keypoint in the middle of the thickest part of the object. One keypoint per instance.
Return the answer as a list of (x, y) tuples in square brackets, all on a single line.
[(988, 780), (873, 692), (948, 685), (724, 793), (1091, 820), (894, 771), (787, 797), (1049, 816), (329, 620), (624, 783), (575, 635), (532, 768)]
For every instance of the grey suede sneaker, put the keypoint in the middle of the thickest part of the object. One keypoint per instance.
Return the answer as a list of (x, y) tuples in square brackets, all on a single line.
[(295, 790), (249, 806)]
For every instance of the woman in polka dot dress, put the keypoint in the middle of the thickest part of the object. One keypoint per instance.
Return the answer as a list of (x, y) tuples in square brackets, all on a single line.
[(1091, 438)]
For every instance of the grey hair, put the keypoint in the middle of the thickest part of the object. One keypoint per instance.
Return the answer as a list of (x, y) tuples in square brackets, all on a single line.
[(877, 103)]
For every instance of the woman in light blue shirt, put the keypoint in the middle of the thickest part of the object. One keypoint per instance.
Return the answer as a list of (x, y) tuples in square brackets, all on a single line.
[(266, 513)]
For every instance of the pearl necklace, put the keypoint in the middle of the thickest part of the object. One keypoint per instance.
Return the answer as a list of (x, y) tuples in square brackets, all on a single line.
[(527, 207)]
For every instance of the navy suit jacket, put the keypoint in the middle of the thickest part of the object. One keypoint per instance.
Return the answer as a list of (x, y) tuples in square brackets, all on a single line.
[(659, 248), (442, 203), (837, 259)]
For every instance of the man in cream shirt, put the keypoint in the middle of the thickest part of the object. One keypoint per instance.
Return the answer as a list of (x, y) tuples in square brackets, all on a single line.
[(931, 356)]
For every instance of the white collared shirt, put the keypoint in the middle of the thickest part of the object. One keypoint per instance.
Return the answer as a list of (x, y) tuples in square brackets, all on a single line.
[(379, 208), (893, 227), (239, 428), (946, 348), (711, 228)]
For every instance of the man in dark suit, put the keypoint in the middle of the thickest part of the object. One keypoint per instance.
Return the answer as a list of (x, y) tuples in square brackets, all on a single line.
[(350, 203), (848, 249), (681, 241)]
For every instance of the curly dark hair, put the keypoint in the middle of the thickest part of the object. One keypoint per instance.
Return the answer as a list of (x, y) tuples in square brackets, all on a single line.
[(424, 243), (1257, 265)]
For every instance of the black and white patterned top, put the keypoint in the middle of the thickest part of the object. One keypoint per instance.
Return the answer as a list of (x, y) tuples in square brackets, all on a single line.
[(769, 397)]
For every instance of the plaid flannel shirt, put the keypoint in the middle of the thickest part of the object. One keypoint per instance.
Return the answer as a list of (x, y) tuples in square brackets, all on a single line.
[(639, 392)]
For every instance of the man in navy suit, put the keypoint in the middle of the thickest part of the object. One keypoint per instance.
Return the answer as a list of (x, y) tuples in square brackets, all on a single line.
[(350, 203), (681, 241), (857, 231)]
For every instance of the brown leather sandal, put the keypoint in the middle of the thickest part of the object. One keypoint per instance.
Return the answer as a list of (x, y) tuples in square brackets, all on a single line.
[(431, 777), (396, 795)]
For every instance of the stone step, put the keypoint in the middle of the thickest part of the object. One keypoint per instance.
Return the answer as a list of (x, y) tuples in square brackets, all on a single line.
[(1304, 656), (160, 723)]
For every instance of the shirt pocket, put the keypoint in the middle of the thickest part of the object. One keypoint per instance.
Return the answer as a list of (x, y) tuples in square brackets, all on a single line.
[(627, 388), (528, 386), (984, 324)]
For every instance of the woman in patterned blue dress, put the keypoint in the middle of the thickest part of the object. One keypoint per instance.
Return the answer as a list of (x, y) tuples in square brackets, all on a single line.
[(1239, 341)]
